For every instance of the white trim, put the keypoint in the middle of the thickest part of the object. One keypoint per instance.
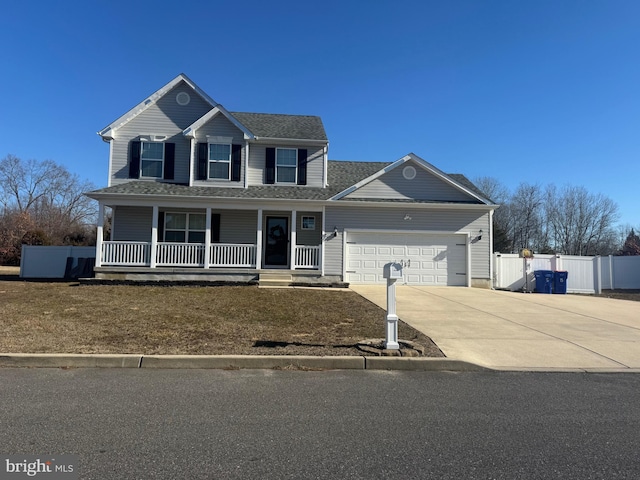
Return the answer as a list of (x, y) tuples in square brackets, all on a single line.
[(259, 240), (246, 164), (152, 142), (107, 133), (302, 227), (207, 238), (291, 141), (272, 203), (295, 167), (110, 162), (192, 160), (228, 161), (191, 130), (322, 243), (325, 160), (99, 234), (187, 229), (293, 238), (468, 250), (491, 248), (154, 235)]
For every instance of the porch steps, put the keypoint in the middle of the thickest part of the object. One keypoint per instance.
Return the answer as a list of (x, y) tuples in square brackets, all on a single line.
[(275, 280)]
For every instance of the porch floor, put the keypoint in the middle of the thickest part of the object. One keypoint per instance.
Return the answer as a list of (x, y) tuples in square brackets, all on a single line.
[(213, 276)]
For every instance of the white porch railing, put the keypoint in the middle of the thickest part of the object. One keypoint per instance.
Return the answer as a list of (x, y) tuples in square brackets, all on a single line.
[(307, 256), (126, 253), (232, 255), (180, 254), (192, 255)]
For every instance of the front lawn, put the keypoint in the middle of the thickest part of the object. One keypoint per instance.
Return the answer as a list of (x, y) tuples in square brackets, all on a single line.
[(63, 317)]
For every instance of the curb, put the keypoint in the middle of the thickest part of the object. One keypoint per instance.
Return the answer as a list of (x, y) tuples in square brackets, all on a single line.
[(234, 362)]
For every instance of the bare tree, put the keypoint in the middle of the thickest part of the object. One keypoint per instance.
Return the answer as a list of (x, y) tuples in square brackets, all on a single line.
[(579, 222), (43, 196), (525, 213), (498, 193)]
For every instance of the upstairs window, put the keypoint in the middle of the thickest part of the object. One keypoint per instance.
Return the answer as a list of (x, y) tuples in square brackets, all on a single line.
[(152, 159), (286, 164), (184, 227), (219, 161)]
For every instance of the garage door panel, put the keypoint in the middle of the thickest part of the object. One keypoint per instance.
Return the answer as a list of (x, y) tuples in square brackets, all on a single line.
[(433, 259)]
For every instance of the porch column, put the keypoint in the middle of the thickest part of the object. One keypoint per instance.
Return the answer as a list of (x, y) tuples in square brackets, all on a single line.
[(207, 240), (99, 233), (293, 239), (259, 240), (154, 236)]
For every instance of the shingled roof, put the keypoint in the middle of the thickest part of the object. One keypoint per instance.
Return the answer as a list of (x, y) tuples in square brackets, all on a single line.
[(272, 125), (341, 175)]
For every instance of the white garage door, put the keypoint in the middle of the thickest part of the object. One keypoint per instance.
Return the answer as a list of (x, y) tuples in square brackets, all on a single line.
[(429, 259)]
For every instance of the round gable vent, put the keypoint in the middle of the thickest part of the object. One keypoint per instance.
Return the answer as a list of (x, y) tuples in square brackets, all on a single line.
[(409, 172), (183, 98)]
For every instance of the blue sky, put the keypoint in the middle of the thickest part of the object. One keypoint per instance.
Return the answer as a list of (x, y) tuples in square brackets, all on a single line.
[(523, 91)]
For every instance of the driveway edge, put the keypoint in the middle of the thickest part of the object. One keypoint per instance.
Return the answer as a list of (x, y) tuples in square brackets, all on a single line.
[(233, 362)]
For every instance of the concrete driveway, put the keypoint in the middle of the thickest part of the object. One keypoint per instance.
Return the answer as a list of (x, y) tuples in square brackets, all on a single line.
[(518, 331)]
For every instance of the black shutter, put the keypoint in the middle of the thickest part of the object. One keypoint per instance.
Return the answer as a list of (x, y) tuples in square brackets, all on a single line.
[(134, 159), (236, 162), (270, 166), (202, 161), (169, 160), (302, 166), (215, 228), (160, 226)]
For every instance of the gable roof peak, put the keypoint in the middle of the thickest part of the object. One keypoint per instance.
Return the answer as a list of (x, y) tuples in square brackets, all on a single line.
[(107, 132)]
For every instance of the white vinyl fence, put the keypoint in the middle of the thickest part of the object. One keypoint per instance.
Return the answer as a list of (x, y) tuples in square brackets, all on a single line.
[(585, 274), (56, 262)]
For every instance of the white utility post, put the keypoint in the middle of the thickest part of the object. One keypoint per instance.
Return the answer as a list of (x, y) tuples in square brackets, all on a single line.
[(392, 272)]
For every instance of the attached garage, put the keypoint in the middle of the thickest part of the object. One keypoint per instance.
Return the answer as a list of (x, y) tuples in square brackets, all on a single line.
[(428, 258)]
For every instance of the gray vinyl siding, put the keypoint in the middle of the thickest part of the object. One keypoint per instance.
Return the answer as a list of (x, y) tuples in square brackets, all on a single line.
[(257, 155), (132, 224), (219, 126), (165, 117), (238, 226), (425, 186), (308, 237), (421, 220)]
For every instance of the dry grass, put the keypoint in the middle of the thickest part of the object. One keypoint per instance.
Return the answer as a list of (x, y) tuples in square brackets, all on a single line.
[(62, 317), (633, 295)]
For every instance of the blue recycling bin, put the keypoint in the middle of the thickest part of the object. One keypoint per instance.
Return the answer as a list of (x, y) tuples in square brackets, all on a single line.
[(544, 281), (560, 282)]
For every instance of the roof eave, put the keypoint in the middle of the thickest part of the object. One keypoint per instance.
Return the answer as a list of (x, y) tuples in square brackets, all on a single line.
[(291, 141)]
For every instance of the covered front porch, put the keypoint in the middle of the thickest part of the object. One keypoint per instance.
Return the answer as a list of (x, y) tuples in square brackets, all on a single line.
[(161, 237)]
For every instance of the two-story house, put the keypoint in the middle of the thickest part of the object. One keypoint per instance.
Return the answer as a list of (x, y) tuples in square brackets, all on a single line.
[(200, 193)]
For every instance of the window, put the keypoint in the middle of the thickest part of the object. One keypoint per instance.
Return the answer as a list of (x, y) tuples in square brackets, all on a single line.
[(308, 223), (184, 227), (152, 159), (286, 163), (219, 161)]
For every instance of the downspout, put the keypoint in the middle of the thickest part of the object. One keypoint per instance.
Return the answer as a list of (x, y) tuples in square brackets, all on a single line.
[(246, 164), (326, 163), (191, 158)]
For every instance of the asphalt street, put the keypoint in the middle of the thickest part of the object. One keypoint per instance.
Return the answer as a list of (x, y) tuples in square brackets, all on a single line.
[(213, 424)]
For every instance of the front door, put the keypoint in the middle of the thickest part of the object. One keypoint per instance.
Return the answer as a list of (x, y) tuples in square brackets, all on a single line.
[(276, 242)]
